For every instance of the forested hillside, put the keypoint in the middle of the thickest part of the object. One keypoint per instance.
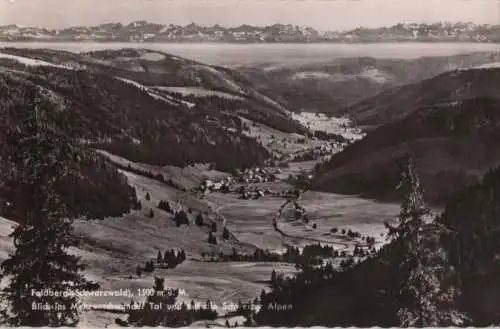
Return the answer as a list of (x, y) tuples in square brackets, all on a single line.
[(452, 86), (453, 143), (473, 220), (225, 89), (146, 106), (94, 188)]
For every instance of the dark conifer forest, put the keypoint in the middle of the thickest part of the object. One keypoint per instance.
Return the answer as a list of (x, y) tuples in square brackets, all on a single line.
[(94, 188)]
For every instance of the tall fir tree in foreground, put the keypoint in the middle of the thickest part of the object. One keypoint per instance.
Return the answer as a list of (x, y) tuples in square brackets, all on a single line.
[(33, 156), (426, 296)]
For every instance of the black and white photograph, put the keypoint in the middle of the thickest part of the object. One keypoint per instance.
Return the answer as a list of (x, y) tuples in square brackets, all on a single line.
[(249, 163)]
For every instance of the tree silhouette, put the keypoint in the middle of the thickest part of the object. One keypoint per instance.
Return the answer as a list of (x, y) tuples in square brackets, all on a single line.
[(425, 301), (181, 218), (33, 156), (165, 206), (211, 238), (225, 233), (138, 205), (149, 267), (199, 219)]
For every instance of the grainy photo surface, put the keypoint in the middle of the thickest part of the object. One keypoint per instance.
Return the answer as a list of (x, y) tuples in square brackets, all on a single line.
[(233, 163)]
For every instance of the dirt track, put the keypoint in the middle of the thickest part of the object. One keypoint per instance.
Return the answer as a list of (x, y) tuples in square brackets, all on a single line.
[(277, 229)]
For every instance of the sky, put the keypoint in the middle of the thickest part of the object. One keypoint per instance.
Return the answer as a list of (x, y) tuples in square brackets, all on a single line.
[(320, 14)]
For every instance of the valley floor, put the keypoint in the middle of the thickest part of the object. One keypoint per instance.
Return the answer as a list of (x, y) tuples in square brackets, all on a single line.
[(113, 248)]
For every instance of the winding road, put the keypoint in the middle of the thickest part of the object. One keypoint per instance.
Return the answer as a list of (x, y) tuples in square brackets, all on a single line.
[(284, 234), (217, 211)]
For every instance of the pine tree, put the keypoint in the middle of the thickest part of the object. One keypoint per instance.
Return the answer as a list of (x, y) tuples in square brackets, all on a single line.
[(181, 218), (148, 197), (159, 258), (273, 279), (211, 238), (225, 233), (149, 267), (165, 206), (199, 219), (425, 298), (250, 319), (33, 156), (413, 208), (166, 257)]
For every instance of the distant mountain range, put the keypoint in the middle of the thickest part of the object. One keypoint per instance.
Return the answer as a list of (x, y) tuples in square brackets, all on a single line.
[(143, 31)]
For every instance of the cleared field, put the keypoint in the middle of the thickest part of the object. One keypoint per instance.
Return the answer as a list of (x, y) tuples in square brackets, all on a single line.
[(187, 177), (278, 141), (233, 321), (222, 283), (295, 168), (321, 122), (198, 92), (329, 211), (251, 220)]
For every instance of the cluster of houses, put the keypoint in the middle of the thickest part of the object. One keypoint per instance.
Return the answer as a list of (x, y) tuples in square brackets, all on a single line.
[(255, 175), (225, 185), (254, 193), (320, 151)]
